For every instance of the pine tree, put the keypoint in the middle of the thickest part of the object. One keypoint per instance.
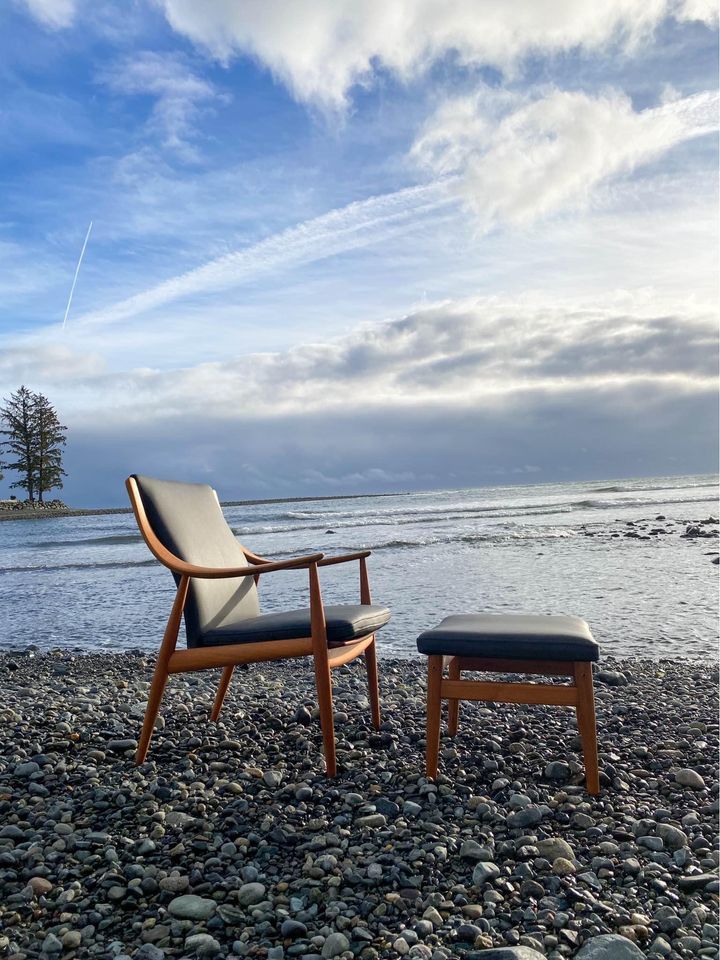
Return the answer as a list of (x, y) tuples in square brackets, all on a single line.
[(49, 441), (18, 418)]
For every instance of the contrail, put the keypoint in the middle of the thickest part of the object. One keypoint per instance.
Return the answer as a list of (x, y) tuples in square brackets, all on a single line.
[(77, 271)]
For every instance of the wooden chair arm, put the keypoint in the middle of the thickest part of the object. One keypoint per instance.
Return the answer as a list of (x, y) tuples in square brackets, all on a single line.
[(329, 561), (215, 573)]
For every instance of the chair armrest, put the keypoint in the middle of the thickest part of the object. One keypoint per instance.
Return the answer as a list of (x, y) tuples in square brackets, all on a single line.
[(329, 561), (216, 573)]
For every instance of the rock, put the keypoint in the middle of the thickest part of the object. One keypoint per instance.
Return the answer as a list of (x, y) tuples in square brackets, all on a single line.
[(673, 837), (51, 944), (203, 945), (558, 770), (433, 916), (525, 817), (553, 847), (507, 953), (696, 881), (371, 820), (292, 929), (472, 850), (272, 778), (484, 873), (334, 945), (609, 946), (191, 907), (611, 678), (71, 940), (251, 893), (689, 778), (40, 886), (562, 867), (121, 746)]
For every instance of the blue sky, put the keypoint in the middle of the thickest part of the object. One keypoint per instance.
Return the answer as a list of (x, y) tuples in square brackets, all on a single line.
[(330, 243)]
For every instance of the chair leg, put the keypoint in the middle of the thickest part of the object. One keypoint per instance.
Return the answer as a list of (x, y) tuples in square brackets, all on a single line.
[(372, 675), (587, 725), (435, 670), (153, 706), (221, 691), (453, 705), (323, 682)]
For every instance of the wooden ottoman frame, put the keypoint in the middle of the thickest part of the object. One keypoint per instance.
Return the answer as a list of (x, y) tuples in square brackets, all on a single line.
[(578, 694)]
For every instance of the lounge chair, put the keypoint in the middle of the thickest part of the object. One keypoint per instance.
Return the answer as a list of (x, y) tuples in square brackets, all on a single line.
[(216, 577)]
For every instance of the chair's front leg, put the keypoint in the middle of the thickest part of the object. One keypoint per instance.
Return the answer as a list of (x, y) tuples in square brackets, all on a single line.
[(453, 705), (160, 676), (435, 671), (323, 680)]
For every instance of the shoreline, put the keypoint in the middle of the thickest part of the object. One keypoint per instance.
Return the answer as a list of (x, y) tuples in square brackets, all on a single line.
[(230, 842), (32, 514)]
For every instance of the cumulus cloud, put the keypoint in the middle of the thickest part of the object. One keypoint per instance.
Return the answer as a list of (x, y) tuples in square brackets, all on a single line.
[(55, 14), (321, 48), (177, 89), (518, 158)]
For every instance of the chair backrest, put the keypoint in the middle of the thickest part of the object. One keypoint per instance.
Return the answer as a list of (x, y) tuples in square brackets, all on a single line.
[(188, 520)]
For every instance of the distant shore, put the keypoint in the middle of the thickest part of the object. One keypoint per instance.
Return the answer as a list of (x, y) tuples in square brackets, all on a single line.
[(19, 514)]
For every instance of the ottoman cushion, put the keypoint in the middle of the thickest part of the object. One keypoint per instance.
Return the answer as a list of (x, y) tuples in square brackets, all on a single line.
[(510, 636)]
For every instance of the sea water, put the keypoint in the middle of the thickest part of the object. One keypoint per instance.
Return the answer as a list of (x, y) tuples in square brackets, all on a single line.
[(90, 583)]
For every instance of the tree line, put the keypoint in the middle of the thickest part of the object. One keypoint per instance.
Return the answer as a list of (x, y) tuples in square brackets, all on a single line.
[(33, 444)]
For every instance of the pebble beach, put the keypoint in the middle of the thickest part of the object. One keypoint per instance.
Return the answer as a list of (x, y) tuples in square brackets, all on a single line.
[(230, 842)]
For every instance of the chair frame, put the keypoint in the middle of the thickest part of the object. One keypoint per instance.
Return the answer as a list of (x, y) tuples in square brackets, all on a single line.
[(228, 656), (578, 694)]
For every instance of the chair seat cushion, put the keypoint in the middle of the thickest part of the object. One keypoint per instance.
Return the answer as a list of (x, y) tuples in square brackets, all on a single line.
[(345, 623), (510, 636)]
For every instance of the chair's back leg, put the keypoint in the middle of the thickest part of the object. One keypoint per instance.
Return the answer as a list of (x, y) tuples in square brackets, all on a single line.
[(373, 690), (160, 676), (587, 725), (323, 680), (221, 691), (434, 682)]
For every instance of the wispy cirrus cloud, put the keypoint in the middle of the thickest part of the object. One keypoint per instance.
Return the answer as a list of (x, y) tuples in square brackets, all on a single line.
[(358, 224), (177, 89), (327, 46), (518, 157)]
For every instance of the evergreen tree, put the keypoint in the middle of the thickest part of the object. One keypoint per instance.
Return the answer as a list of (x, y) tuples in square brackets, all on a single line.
[(48, 443), (34, 441), (18, 418)]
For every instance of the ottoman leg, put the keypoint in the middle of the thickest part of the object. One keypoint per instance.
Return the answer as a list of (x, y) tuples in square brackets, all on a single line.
[(453, 705), (435, 670), (586, 724)]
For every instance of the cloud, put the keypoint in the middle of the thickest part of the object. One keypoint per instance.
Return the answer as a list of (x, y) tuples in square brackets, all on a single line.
[(454, 394), (177, 90), (521, 158), (55, 14), (320, 48), (480, 352), (358, 224)]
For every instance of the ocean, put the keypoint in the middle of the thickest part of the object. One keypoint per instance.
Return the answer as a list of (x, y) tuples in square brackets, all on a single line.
[(89, 583)]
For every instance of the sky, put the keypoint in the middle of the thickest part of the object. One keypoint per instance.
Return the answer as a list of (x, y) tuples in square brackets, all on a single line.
[(344, 247)]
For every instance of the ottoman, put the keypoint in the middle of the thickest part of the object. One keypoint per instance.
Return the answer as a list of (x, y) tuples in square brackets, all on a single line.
[(554, 646)]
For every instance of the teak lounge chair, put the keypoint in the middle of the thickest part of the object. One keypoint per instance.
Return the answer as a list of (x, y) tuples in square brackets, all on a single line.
[(216, 577)]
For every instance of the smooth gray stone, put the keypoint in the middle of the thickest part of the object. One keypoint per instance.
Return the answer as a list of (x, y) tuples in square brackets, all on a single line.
[(191, 907), (609, 946)]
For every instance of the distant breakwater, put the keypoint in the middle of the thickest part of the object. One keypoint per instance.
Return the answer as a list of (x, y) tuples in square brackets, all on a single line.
[(50, 510)]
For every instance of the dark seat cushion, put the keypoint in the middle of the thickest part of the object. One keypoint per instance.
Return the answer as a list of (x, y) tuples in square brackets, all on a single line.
[(511, 636), (345, 622)]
